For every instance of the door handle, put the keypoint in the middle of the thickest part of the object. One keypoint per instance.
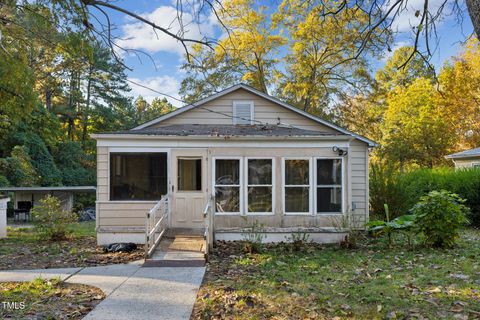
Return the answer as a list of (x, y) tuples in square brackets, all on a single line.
[(173, 188)]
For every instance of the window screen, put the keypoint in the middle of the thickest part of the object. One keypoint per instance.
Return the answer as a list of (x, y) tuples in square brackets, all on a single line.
[(297, 186), (138, 176), (227, 185), (329, 185)]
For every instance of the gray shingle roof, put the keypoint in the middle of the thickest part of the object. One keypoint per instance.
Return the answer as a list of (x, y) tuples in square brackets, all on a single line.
[(465, 154), (226, 130)]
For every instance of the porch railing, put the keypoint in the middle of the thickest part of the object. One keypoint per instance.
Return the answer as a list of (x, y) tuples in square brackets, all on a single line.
[(209, 217), (156, 223)]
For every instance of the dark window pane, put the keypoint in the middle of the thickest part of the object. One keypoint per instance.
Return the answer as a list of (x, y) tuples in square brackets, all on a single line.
[(296, 172), (260, 199), (138, 176), (297, 199), (329, 171), (189, 174), (259, 171), (227, 199), (227, 171), (329, 199)]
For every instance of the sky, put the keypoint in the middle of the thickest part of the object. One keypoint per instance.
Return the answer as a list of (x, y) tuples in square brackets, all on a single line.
[(159, 66)]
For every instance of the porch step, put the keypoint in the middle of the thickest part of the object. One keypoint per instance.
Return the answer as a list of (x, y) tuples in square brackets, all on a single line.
[(179, 248)]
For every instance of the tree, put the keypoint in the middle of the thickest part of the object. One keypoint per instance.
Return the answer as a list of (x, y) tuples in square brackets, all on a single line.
[(247, 54), (75, 167), (414, 130), (317, 68), (460, 87), (18, 168)]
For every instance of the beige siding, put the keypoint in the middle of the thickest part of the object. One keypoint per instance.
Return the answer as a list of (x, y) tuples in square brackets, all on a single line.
[(265, 111), (466, 163), (102, 174), (359, 171), (123, 214)]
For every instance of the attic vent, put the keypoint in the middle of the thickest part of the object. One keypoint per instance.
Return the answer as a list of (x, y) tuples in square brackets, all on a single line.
[(242, 112)]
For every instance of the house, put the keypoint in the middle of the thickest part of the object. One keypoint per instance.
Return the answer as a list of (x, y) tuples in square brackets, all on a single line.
[(25, 198), (247, 156), (466, 159)]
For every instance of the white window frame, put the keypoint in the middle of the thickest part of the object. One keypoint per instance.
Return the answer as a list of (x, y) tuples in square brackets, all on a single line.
[(177, 189), (310, 187), (342, 185), (240, 185), (252, 110), (247, 185)]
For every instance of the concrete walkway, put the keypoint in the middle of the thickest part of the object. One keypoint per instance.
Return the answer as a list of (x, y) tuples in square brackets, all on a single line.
[(132, 292)]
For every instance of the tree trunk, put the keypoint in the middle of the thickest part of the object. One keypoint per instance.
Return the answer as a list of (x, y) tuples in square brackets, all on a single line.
[(86, 111), (474, 13)]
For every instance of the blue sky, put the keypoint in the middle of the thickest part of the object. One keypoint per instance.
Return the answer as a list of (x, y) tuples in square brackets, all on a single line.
[(165, 75)]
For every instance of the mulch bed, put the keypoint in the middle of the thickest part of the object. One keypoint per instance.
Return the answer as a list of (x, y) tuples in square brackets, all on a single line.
[(47, 299), (75, 252)]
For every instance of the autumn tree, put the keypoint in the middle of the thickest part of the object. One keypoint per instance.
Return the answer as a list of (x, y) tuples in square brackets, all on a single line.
[(247, 54), (414, 128), (460, 88)]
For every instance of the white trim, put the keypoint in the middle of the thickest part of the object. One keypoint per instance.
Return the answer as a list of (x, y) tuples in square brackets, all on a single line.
[(263, 95), (252, 110), (342, 185), (240, 185), (159, 143), (310, 188), (263, 185)]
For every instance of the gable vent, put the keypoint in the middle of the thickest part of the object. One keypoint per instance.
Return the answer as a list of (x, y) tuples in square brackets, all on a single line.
[(243, 112)]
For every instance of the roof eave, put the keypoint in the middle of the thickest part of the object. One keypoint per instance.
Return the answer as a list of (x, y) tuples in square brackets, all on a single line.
[(127, 136)]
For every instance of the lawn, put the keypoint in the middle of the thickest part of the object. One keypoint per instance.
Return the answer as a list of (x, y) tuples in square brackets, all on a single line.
[(24, 248), (373, 281), (47, 299)]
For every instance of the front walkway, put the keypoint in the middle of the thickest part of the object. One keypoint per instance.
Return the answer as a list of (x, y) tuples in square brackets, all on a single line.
[(132, 292)]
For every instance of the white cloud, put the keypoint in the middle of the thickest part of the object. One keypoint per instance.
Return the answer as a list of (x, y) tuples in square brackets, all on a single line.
[(164, 84), (406, 19), (139, 35)]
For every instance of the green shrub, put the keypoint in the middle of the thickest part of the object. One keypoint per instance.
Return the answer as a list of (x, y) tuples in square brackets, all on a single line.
[(439, 216), (388, 227), (51, 220), (403, 190)]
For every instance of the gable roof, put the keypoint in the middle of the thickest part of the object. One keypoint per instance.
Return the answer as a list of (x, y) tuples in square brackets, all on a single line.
[(465, 154), (260, 94)]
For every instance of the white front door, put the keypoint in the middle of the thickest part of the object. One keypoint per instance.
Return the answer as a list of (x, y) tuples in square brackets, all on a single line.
[(188, 188)]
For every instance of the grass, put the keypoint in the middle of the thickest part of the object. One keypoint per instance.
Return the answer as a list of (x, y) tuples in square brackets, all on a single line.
[(370, 282), (47, 299)]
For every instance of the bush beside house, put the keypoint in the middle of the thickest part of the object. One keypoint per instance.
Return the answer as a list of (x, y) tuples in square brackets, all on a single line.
[(401, 191)]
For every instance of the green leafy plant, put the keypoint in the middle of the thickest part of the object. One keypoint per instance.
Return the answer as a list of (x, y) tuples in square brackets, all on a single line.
[(402, 223), (51, 220), (439, 217), (253, 238)]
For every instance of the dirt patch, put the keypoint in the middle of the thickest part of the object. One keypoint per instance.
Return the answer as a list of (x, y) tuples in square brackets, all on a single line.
[(75, 252), (47, 299)]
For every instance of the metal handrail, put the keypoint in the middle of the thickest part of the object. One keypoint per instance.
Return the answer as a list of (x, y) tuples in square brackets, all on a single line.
[(209, 215), (156, 223)]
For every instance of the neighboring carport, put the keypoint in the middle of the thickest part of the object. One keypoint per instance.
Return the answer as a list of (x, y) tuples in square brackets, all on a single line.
[(25, 198)]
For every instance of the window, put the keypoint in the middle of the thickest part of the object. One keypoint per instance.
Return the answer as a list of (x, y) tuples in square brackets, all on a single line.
[(296, 186), (189, 174), (243, 112), (329, 185), (138, 176), (259, 186), (476, 165), (227, 185)]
